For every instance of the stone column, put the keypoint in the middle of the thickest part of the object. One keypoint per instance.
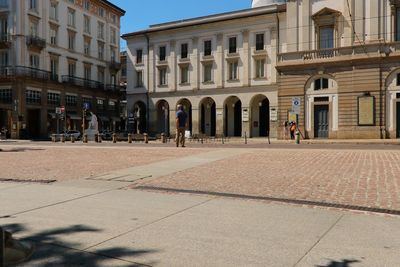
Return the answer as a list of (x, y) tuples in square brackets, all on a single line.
[(152, 70), (219, 122), (195, 120), (220, 61)]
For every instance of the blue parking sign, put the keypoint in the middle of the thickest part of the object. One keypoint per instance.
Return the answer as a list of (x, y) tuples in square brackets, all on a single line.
[(86, 105)]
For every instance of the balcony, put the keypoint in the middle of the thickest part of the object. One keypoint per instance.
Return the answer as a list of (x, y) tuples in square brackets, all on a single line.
[(80, 82), (114, 88), (5, 40), (113, 65), (25, 72), (337, 55), (35, 42)]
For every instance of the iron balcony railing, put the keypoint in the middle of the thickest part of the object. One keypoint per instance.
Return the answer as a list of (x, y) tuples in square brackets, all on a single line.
[(34, 41), (114, 65), (76, 81), (114, 88), (5, 39), (26, 72)]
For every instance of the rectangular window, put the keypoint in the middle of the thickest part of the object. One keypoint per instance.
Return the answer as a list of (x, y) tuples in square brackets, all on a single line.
[(34, 61), (184, 50), (101, 12), (86, 5), (5, 96), (71, 17), (71, 68), (4, 58), (208, 73), (184, 74), (33, 28), (260, 68), (207, 48), (162, 76), (101, 50), (33, 5), (53, 36), (71, 40), (54, 68), (162, 53), (53, 11), (233, 70), (3, 26), (139, 79), (33, 97), (113, 18), (398, 24), (113, 36), (71, 101), (232, 45), (100, 75), (53, 99), (113, 54), (87, 73), (321, 83), (326, 37), (259, 41), (86, 47), (139, 56), (100, 30), (86, 24)]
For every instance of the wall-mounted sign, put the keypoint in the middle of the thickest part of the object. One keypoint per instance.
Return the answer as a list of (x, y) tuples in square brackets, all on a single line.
[(245, 115), (366, 111), (296, 102), (273, 114)]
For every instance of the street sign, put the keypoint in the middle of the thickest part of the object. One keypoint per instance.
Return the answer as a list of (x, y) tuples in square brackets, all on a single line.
[(86, 105), (58, 111), (296, 102)]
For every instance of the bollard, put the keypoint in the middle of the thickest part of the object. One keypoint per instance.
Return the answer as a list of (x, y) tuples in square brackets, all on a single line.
[(222, 139), (114, 138), (72, 138), (163, 138), (130, 138), (245, 138), (297, 137), (53, 138), (62, 138), (146, 138), (85, 138), (2, 247), (99, 138)]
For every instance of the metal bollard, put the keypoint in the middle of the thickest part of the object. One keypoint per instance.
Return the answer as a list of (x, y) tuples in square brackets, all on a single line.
[(53, 138), (146, 138), (72, 138), (297, 137), (2, 247), (85, 138), (99, 138), (114, 138), (130, 138), (62, 138), (163, 138)]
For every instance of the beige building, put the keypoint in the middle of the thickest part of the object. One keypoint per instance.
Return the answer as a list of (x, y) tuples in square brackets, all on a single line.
[(220, 67), (58, 53), (340, 60)]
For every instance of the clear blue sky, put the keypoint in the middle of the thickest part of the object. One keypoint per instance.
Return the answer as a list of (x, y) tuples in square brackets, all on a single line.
[(140, 14)]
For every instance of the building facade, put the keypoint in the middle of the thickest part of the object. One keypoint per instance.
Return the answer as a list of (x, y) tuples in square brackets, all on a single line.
[(340, 59), (221, 68), (58, 53)]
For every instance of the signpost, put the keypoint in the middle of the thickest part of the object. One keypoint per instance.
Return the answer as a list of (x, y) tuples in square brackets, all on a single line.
[(296, 102)]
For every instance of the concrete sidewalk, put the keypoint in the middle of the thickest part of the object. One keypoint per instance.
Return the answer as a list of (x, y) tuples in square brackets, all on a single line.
[(102, 223)]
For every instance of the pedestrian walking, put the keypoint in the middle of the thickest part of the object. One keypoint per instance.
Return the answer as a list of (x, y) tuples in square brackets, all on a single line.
[(181, 126), (293, 128), (285, 130)]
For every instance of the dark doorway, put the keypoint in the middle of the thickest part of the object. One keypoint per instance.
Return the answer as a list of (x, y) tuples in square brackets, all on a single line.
[(208, 118), (163, 117), (321, 121), (5, 120), (238, 119), (213, 119), (398, 120), (33, 123), (226, 120), (264, 118), (187, 106)]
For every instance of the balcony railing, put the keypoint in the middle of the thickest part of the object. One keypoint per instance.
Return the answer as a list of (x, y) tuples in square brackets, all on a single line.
[(114, 88), (35, 42), (340, 53), (5, 40), (113, 65), (76, 81), (26, 72)]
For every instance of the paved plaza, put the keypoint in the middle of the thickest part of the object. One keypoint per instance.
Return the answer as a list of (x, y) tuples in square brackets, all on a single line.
[(203, 205)]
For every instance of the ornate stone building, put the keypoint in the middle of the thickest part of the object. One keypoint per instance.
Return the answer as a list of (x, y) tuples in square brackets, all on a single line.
[(58, 53)]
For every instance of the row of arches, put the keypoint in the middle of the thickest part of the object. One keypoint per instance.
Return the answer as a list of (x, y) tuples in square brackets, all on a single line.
[(232, 112)]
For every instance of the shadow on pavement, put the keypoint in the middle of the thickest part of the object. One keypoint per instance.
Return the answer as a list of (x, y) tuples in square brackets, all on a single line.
[(50, 250), (20, 149), (343, 263)]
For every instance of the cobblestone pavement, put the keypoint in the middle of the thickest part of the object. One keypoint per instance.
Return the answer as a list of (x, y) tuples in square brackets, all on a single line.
[(73, 162), (368, 178)]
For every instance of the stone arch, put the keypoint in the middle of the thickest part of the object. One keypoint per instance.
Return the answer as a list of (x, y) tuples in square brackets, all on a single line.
[(187, 106), (208, 116), (260, 116), (233, 116), (162, 107)]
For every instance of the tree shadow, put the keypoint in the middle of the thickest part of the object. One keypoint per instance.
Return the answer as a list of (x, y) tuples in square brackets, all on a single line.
[(343, 263), (50, 250), (20, 149)]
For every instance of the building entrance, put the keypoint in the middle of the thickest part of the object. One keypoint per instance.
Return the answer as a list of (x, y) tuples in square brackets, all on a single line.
[(398, 120), (5, 120), (321, 121), (33, 124)]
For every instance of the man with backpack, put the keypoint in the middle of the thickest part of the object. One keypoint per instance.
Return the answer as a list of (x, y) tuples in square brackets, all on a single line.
[(181, 126)]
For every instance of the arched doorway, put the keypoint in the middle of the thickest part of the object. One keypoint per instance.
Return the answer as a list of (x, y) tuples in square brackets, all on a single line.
[(140, 121), (260, 117), (393, 104), (187, 107), (208, 116), (233, 116), (163, 117)]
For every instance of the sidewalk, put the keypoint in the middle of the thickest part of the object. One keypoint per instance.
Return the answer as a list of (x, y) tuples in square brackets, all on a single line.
[(100, 223)]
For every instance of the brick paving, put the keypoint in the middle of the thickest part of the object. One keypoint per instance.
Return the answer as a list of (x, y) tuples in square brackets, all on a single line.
[(73, 162), (369, 178)]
